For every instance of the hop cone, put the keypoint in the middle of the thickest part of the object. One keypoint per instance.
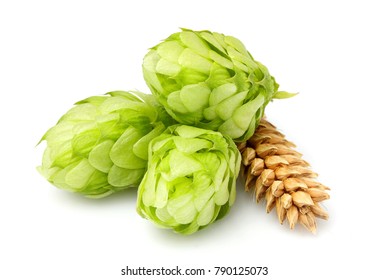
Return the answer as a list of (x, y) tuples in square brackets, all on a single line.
[(277, 173), (190, 180), (100, 145), (210, 81)]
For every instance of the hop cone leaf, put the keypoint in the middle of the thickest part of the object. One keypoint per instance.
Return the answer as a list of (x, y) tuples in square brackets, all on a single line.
[(100, 145), (210, 80), (276, 172), (191, 178)]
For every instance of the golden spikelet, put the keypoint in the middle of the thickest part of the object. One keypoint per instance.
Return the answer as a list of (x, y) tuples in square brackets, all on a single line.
[(276, 172)]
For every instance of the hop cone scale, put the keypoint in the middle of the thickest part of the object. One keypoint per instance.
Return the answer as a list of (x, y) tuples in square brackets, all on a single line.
[(100, 145), (277, 172)]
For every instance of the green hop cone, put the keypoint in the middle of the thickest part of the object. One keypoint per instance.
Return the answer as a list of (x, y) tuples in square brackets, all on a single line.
[(210, 80), (100, 146), (190, 180)]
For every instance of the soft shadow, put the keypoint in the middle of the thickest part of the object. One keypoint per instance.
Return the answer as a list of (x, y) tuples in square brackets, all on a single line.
[(127, 196)]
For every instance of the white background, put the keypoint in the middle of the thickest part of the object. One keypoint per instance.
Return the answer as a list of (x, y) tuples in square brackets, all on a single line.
[(334, 53)]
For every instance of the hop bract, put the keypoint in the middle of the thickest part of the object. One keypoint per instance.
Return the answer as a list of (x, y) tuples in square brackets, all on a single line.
[(191, 177), (100, 145), (209, 80)]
